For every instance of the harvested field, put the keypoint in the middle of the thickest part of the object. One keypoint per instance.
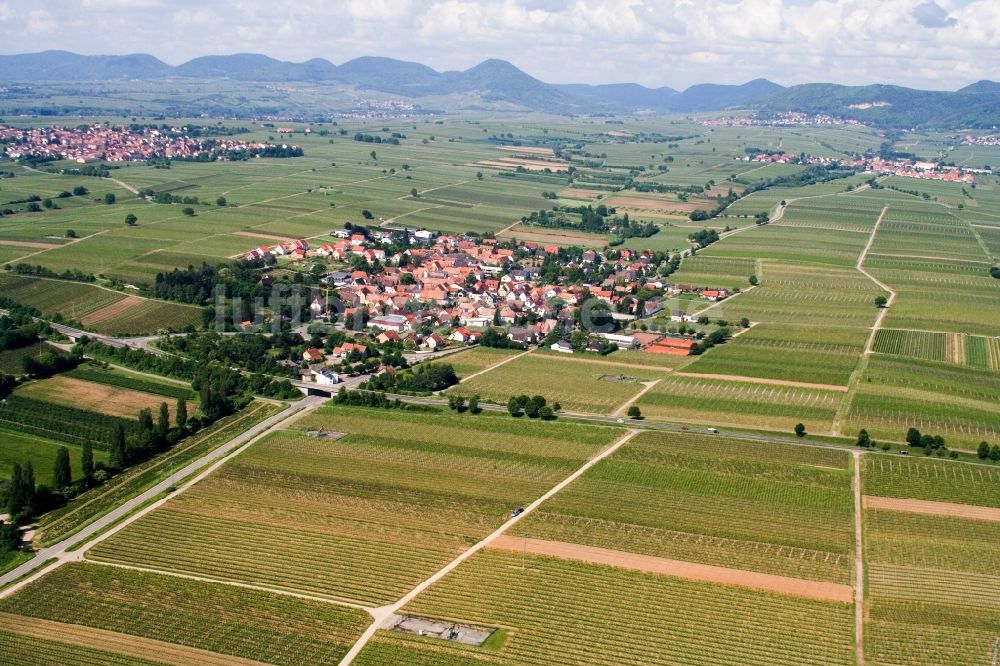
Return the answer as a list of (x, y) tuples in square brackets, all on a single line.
[(93, 397), (931, 508), (796, 587), (663, 205), (764, 380), (111, 311), (553, 236)]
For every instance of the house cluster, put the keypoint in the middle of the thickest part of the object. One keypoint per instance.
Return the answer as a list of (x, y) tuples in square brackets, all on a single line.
[(984, 140), (877, 165), (791, 118), (114, 144)]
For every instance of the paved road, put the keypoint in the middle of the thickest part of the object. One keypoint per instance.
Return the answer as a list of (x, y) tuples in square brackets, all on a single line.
[(60, 551)]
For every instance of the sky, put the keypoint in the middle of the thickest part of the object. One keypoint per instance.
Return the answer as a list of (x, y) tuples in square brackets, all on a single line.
[(936, 44)]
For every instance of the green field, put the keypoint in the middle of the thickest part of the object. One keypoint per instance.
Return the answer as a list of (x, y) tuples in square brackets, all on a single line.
[(575, 385), (20, 447), (674, 495), (263, 626), (568, 612), (370, 514)]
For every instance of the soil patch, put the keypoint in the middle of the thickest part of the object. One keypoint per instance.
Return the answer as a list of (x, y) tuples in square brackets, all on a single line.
[(764, 380), (796, 587), (31, 244), (94, 397), (257, 234)]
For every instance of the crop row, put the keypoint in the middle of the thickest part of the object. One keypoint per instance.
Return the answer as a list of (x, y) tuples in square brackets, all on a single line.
[(567, 612), (932, 542), (918, 344), (931, 480), (27, 650), (263, 626), (58, 421)]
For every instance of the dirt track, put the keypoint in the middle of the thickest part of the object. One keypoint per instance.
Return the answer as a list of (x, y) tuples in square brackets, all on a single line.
[(117, 643), (808, 589), (946, 509), (31, 244)]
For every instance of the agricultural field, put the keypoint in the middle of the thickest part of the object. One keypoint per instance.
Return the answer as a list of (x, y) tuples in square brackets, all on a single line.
[(371, 513), (103, 398), (103, 310), (673, 495), (933, 581), (740, 403), (12, 360), (896, 393), (578, 386), (128, 380), (478, 359), (788, 352), (709, 271), (553, 610), (21, 448), (243, 623)]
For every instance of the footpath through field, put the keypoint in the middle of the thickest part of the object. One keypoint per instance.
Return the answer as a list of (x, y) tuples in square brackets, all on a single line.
[(706, 573), (383, 614)]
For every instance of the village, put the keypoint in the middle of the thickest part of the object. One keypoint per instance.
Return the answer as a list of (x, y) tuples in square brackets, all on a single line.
[(434, 292), (878, 166), (121, 144)]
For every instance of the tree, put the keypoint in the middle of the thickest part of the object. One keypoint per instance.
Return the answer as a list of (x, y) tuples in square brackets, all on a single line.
[(21, 491), (131, 219), (745, 322), (479, 175), (61, 474), (80, 191), (116, 446), (163, 420), (913, 437), (474, 407), (983, 452), (221, 202), (800, 430), (754, 281), (514, 407), (995, 452), (181, 413), (634, 412), (881, 301), (70, 233), (87, 459), (546, 413), (864, 440), (188, 211), (414, 193), (532, 409), (109, 198), (373, 155)]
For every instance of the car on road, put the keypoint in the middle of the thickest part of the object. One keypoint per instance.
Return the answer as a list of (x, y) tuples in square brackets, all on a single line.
[(621, 420), (517, 512), (714, 431)]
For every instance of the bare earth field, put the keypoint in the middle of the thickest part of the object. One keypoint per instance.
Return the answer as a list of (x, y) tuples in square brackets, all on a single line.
[(111, 311), (93, 397)]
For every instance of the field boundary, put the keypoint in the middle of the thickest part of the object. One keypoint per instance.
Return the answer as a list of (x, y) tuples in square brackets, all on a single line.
[(932, 508), (859, 566), (763, 380), (706, 573)]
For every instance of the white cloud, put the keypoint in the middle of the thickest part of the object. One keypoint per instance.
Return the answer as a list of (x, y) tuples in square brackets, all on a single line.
[(40, 22)]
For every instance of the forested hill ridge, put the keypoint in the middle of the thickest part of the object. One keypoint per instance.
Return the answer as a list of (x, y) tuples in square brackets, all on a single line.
[(496, 85)]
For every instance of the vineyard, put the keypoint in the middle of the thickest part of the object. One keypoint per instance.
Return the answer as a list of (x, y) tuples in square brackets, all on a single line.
[(575, 386), (58, 524), (935, 480), (16, 648), (370, 514), (266, 627), (92, 373), (675, 495), (933, 588), (740, 403), (51, 420), (568, 612), (473, 360)]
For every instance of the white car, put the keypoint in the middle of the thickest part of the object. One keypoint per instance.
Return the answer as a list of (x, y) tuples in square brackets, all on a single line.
[(714, 431)]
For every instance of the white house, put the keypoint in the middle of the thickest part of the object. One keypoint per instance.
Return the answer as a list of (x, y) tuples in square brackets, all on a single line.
[(324, 376), (562, 346)]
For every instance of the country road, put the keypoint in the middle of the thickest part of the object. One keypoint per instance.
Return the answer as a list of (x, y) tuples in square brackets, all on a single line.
[(61, 553)]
